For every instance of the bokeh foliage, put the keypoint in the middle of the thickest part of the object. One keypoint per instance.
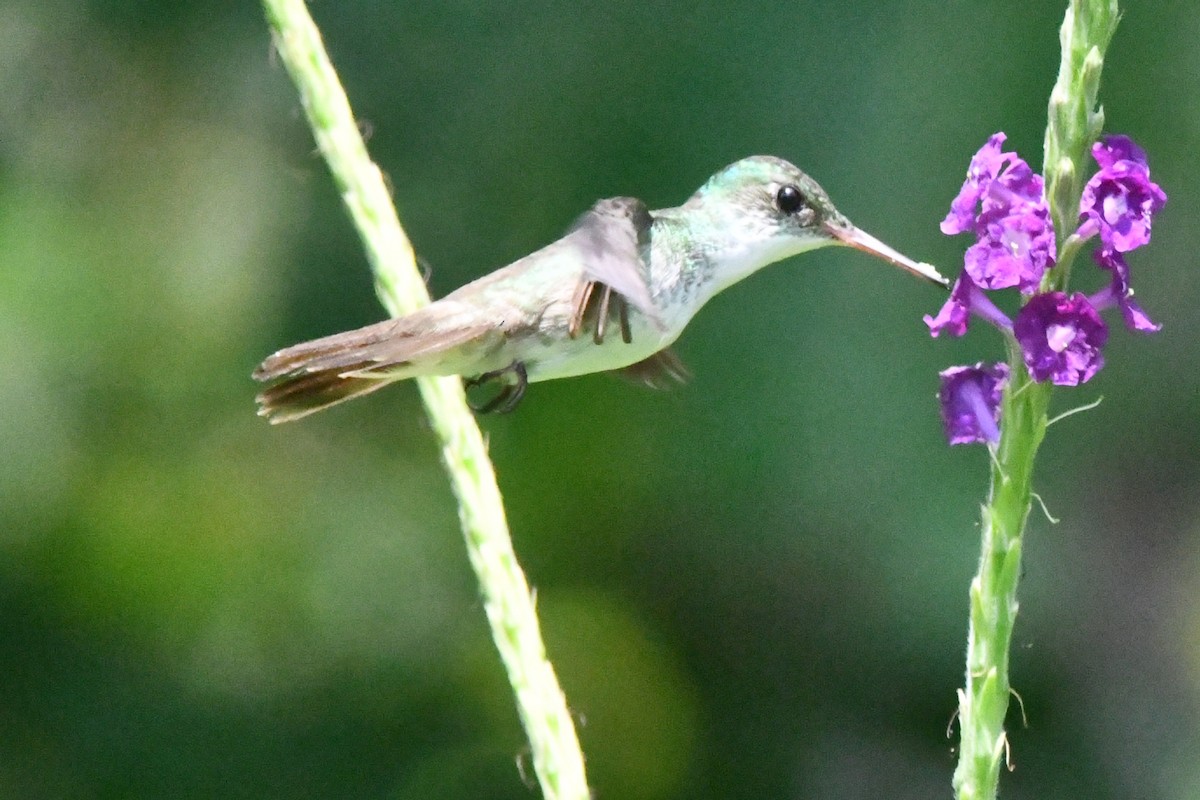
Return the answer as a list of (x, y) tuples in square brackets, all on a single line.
[(752, 586)]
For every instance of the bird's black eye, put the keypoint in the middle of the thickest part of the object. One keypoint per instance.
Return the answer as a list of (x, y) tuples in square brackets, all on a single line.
[(789, 199)]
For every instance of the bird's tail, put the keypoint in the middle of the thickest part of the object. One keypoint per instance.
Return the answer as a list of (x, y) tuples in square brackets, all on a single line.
[(315, 375), (307, 393)]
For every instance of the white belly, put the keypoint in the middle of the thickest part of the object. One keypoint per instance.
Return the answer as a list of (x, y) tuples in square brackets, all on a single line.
[(546, 359)]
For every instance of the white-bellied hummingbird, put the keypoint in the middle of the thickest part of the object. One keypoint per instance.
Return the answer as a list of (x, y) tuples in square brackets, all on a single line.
[(612, 294)]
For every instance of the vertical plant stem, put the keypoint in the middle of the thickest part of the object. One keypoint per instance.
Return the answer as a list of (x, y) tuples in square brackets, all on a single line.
[(1074, 124), (983, 704), (1075, 120), (557, 758)]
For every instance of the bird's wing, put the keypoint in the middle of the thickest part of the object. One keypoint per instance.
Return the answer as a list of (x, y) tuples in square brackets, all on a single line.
[(610, 239), (659, 371)]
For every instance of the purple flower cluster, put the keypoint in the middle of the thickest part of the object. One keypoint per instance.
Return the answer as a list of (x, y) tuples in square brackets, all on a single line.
[(1014, 240), (1061, 336)]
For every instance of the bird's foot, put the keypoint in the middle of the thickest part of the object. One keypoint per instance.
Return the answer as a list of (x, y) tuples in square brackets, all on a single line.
[(515, 379)]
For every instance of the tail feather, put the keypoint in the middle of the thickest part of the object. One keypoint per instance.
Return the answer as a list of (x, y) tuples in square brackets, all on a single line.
[(308, 393), (315, 375), (328, 352)]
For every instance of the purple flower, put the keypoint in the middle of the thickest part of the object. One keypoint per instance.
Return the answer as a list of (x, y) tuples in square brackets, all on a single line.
[(985, 166), (970, 401), (1120, 199), (1062, 337), (965, 299), (1012, 250), (1119, 293), (1015, 239)]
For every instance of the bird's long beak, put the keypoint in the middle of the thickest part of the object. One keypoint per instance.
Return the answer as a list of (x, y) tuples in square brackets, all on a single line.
[(861, 240)]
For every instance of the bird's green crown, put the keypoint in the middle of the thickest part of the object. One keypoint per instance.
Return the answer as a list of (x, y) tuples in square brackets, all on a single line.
[(772, 189)]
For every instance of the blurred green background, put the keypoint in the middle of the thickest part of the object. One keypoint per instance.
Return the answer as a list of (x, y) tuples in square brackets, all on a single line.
[(753, 586)]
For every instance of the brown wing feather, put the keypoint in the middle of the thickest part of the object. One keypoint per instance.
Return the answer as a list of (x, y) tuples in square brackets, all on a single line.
[(610, 240)]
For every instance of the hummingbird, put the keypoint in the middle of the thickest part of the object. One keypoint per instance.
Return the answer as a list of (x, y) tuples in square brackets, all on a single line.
[(614, 293)]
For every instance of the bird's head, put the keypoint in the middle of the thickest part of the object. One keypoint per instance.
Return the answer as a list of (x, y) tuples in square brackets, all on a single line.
[(766, 209)]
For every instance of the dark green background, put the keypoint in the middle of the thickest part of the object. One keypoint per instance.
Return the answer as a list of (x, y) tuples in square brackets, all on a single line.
[(753, 586)]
